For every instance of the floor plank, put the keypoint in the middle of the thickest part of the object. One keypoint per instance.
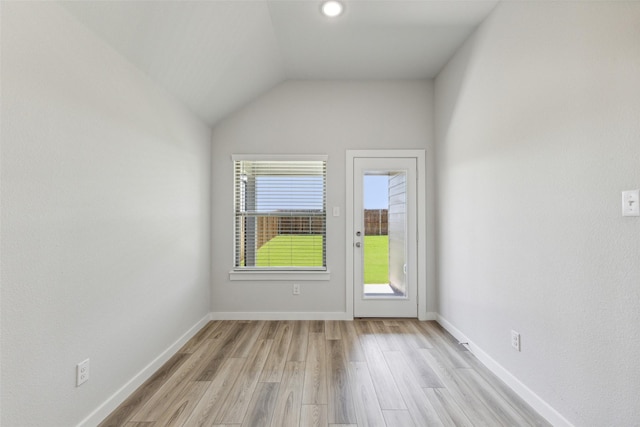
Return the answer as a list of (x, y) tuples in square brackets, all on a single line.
[(471, 405), (274, 366), (421, 410), (340, 407), (239, 397), (332, 330), (315, 373), (262, 404), (383, 335), (445, 345), (202, 334), (395, 418), (425, 375), (411, 329), (298, 347), (211, 403), (503, 411), (220, 351), (222, 330), (446, 407), (386, 388), (314, 416), (269, 330), (180, 409), (289, 401), (316, 326), (352, 348), (368, 412), (247, 340)]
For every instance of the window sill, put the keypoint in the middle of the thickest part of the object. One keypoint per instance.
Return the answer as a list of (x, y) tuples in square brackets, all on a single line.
[(296, 276)]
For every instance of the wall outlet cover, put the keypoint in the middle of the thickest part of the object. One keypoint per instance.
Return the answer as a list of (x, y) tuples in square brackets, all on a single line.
[(82, 372)]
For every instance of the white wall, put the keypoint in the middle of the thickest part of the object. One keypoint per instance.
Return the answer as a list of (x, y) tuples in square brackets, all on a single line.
[(105, 218), (301, 117), (538, 132)]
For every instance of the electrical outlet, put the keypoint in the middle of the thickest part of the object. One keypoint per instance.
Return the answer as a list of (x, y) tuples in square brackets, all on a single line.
[(515, 340), (82, 372), (296, 289)]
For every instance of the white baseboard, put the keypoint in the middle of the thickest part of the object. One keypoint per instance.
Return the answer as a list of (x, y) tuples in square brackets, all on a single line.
[(100, 413), (280, 315), (525, 393), (287, 315)]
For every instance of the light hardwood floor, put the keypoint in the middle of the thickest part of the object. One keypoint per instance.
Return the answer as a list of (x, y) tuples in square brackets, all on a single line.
[(391, 372)]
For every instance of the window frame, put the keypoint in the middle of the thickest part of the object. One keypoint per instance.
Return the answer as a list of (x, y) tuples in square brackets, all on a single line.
[(278, 273)]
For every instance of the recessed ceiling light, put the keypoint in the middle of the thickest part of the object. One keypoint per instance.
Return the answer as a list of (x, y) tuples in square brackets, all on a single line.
[(332, 8)]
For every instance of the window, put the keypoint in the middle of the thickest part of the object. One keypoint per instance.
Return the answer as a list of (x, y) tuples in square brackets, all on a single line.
[(280, 213)]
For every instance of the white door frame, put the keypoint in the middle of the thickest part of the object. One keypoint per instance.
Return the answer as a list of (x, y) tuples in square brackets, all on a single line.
[(421, 205)]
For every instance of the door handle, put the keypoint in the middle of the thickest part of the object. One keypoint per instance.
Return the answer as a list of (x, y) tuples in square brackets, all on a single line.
[(357, 244)]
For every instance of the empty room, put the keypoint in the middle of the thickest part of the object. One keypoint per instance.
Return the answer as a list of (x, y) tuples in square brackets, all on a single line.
[(320, 213)]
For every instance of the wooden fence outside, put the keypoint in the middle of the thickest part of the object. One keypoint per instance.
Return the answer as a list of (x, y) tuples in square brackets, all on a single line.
[(375, 222), (272, 226)]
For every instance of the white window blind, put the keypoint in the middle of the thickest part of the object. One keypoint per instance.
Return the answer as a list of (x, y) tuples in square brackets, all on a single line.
[(280, 214)]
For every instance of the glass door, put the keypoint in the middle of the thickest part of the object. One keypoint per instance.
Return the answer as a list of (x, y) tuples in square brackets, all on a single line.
[(384, 241)]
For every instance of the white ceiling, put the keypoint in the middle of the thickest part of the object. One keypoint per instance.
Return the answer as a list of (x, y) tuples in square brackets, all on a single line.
[(217, 55)]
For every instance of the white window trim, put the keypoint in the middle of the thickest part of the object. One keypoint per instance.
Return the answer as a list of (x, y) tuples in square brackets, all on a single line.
[(282, 157), (280, 275), (297, 276)]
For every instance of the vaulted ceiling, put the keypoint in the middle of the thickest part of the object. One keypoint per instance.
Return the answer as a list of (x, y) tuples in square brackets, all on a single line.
[(217, 55)]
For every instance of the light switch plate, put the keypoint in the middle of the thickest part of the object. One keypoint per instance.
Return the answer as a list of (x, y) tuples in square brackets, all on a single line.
[(631, 203)]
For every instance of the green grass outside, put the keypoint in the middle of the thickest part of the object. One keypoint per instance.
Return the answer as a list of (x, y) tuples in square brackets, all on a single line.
[(376, 259), (288, 250)]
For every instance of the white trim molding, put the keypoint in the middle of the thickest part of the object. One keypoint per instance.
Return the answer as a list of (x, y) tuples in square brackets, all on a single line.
[(280, 157), (525, 393), (281, 315), (281, 276), (103, 411)]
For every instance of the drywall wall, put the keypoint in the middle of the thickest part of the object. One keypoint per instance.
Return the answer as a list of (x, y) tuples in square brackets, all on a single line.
[(105, 218), (306, 117), (537, 135)]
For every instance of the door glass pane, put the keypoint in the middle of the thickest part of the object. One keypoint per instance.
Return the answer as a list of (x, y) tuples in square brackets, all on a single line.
[(384, 243)]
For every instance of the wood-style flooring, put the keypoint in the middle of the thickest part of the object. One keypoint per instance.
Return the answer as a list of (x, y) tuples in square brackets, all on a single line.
[(391, 372)]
